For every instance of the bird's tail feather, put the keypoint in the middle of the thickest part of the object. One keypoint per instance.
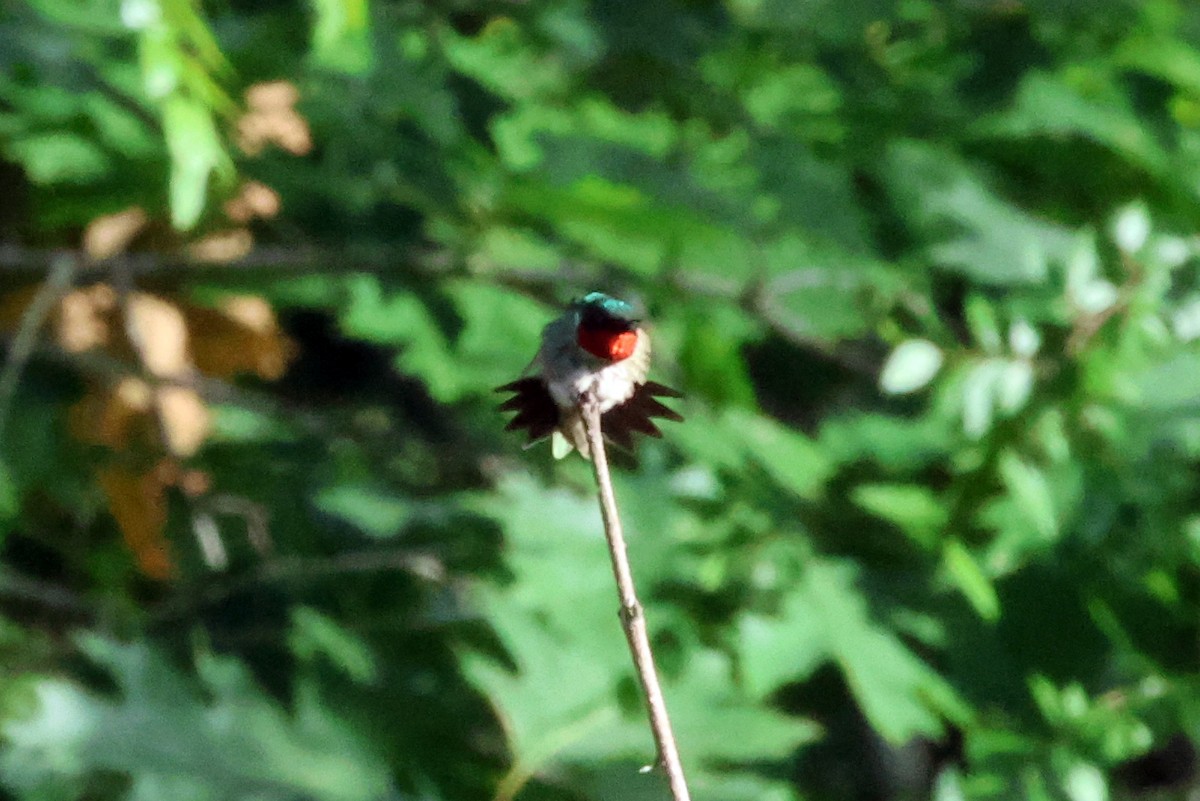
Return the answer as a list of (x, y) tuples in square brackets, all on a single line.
[(539, 416)]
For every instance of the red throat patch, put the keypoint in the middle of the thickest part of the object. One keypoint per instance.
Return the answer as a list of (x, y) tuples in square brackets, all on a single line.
[(611, 345)]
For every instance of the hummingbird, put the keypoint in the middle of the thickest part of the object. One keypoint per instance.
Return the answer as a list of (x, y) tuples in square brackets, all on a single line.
[(597, 346)]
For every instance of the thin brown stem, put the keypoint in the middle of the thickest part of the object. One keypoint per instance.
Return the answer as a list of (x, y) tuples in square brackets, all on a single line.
[(24, 342), (633, 621)]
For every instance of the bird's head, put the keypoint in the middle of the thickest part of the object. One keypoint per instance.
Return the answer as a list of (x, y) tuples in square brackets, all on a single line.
[(607, 328)]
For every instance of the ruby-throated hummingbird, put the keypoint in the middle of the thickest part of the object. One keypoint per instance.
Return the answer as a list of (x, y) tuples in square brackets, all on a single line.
[(598, 346)]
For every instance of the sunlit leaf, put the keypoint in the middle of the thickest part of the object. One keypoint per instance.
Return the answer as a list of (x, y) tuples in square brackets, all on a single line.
[(964, 570), (1029, 488), (59, 157), (341, 36), (964, 226), (371, 509), (916, 510), (899, 693), (912, 365), (196, 152), (778, 649)]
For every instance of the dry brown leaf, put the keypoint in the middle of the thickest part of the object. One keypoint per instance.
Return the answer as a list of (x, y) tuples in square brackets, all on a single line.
[(138, 503), (253, 200), (116, 416), (194, 483), (81, 320), (160, 333), (272, 96), (242, 336), (133, 415), (272, 119), (185, 419), (221, 246), (251, 311), (84, 318), (111, 234)]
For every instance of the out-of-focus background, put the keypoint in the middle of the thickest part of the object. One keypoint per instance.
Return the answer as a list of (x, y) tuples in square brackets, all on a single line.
[(926, 271)]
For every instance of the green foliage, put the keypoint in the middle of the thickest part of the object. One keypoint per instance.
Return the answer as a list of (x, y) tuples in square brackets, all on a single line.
[(227, 741), (925, 272)]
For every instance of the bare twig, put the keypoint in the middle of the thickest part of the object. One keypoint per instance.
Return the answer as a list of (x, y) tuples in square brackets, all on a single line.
[(102, 366), (300, 571), (633, 621), (544, 285), (62, 272), (52, 596)]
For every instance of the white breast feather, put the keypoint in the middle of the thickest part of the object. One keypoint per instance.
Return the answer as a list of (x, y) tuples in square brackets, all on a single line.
[(571, 372)]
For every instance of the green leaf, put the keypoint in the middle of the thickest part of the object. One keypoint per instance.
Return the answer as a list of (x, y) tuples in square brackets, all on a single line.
[(10, 494), (985, 328), (1131, 228), (979, 396), (914, 509), (558, 550), (896, 444), (1014, 386), (717, 724), (963, 225), (373, 510), (898, 693), (1085, 782), (502, 332), (1023, 339), (242, 424), (965, 572), (820, 289), (710, 439), (1163, 57), (225, 736), (711, 357), (776, 650), (912, 365), (790, 94), (494, 339), (518, 248), (502, 58), (788, 456), (196, 151), (612, 220), (342, 35), (316, 634), (582, 720), (1028, 487), (1053, 105), (827, 618), (59, 157)]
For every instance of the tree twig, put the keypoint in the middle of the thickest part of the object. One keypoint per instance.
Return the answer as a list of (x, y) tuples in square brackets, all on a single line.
[(298, 571), (24, 342), (633, 620), (52, 596), (545, 285)]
